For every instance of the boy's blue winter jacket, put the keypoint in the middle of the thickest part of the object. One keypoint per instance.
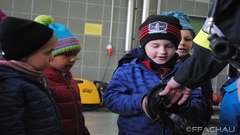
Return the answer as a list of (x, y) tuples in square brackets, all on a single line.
[(124, 94)]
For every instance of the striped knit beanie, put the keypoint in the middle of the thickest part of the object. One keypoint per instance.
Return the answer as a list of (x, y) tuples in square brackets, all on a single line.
[(67, 42), (160, 27)]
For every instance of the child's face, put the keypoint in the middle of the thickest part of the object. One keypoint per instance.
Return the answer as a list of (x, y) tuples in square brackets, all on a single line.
[(185, 44), (40, 59), (160, 51), (64, 62)]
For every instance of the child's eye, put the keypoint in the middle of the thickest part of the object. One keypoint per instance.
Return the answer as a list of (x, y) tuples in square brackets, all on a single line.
[(66, 54), (48, 52), (188, 39), (155, 46), (70, 54), (170, 46)]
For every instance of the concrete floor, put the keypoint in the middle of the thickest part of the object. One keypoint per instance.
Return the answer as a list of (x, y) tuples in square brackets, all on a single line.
[(103, 122)]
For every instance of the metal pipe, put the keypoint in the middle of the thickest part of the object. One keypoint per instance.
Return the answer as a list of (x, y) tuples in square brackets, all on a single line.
[(128, 40), (111, 24), (145, 11), (159, 7)]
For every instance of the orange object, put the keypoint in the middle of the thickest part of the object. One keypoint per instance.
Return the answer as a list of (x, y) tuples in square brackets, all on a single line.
[(110, 50), (217, 98)]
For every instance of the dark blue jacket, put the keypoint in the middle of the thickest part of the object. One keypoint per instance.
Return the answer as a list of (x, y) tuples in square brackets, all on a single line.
[(26, 106), (124, 94)]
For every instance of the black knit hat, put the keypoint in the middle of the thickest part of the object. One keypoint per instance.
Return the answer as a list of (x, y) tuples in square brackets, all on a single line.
[(160, 27), (20, 37)]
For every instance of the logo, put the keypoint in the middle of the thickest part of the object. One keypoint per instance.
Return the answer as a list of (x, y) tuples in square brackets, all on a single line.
[(87, 90), (211, 129), (157, 27)]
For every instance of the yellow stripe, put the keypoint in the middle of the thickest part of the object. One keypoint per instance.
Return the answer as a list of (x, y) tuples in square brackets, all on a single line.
[(201, 39)]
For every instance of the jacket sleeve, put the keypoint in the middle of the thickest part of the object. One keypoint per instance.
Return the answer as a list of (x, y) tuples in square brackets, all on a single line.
[(119, 97), (197, 101), (201, 66)]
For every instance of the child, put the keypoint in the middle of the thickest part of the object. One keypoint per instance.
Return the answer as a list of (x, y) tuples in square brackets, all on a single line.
[(64, 88), (135, 77), (26, 104)]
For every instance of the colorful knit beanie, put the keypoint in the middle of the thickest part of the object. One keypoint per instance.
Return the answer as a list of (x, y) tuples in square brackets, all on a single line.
[(67, 42), (20, 37), (160, 27), (183, 18)]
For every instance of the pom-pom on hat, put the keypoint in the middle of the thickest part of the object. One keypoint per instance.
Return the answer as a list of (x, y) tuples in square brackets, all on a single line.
[(183, 18), (67, 42), (160, 27), (20, 37)]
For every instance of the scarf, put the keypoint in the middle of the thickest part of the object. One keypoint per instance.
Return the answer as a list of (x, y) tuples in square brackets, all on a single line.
[(24, 68)]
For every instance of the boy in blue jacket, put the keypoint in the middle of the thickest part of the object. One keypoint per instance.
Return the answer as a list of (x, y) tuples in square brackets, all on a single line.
[(135, 77)]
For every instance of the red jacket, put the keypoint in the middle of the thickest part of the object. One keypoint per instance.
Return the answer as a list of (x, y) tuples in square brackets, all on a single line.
[(65, 91)]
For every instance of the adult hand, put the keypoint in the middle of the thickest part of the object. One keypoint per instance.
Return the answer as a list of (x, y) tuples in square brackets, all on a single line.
[(175, 91)]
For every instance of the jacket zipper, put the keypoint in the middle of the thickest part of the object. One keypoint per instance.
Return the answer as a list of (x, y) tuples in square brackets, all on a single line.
[(75, 106)]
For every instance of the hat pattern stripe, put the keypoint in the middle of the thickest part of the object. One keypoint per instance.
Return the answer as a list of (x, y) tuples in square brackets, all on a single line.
[(73, 37), (174, 30), (65, 45), (170, 29), (143, 32)]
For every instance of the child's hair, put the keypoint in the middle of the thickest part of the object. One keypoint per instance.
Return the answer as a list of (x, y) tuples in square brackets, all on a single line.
[(67, 42), (160, 27), (20, 37)]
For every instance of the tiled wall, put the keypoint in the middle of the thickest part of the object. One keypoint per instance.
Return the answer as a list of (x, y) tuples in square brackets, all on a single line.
[(94, 63)]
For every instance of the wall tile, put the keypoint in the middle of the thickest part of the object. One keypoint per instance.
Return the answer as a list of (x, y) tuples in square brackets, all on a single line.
[(201, 9), (92, 43), (60, 8), (95, 12), (173, 5), (188, 7), (90, 73), (123, 15), (6, 5), (41, 7), (76, 26), (100, 2), (77, 10), (84, 1)]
